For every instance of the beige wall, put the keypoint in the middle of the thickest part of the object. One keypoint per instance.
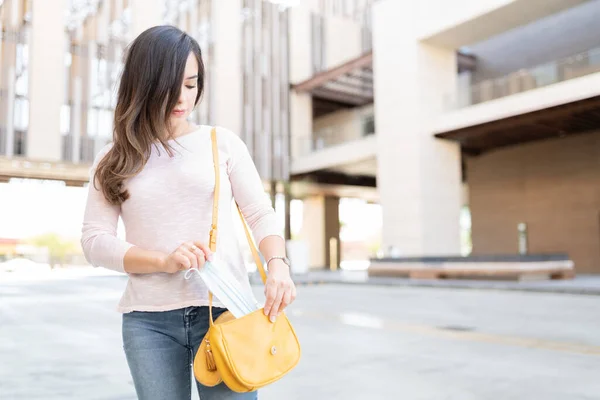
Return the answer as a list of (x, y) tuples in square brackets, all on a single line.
[(342, 37), (145, 14), (348, 119), (342, 125), (300, 124), (553, 186), (300, 44), (344, 122), (343, 41)]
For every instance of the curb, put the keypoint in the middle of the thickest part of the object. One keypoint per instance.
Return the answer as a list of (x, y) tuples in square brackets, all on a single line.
[(445, 285)]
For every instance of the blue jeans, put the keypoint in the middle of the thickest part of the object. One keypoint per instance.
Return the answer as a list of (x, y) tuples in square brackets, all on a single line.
[(160, 349)]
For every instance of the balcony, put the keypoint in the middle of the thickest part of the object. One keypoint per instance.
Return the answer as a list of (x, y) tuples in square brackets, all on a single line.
[(333, 135), (575, 66), (341, 153)]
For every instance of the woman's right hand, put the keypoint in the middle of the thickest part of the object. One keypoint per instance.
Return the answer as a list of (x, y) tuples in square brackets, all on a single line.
[(187, 255)]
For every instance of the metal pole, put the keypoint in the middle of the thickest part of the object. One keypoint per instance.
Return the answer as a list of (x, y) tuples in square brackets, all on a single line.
[(522, 229)]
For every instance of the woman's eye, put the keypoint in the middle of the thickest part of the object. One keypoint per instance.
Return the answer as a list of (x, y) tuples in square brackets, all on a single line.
[(191, 87)]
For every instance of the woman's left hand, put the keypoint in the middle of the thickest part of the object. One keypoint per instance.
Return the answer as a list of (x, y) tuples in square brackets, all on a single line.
[(280, 290)]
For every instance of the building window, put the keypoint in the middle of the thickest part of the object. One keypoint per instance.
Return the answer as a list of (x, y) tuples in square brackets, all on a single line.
[(318, 43), (368, 125), (20, 143)]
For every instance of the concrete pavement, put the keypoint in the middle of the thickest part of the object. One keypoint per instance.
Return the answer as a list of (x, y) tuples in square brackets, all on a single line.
[(60, 339)]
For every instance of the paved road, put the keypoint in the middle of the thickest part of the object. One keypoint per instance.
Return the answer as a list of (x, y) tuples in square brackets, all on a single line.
[(60, 339)]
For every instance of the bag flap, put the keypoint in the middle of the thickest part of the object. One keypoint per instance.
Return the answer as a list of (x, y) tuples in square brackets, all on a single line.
[(258, 351)]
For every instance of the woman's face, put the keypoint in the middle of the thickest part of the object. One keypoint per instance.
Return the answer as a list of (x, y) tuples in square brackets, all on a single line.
[(189, 91)]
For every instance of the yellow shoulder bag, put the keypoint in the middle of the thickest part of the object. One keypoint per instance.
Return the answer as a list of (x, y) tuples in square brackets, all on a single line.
[(250, 352)]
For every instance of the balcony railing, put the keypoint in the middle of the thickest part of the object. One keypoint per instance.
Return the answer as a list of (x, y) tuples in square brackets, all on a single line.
[(333, 136), (88, 148), (575, 66), (19, 141)]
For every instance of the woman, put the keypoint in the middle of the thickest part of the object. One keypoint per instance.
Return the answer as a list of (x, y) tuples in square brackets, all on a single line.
[(158, 176)]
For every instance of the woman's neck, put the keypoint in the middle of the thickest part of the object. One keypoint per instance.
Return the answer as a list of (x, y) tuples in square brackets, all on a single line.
[(183, 129)]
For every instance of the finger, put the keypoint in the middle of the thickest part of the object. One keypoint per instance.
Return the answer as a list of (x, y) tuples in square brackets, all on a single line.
[(277, 303), (182, 260), (270, 292), (287, 299), (200, 257), (190, 256), (205, 250)]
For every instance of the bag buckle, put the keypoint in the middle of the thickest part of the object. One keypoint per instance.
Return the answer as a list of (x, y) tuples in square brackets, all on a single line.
[(213, 238)]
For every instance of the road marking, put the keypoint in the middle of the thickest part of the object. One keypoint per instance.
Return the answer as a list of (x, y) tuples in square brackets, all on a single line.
[(374, 322)]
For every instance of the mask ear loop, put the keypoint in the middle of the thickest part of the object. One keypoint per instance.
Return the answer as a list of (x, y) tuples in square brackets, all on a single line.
[(188, 275)]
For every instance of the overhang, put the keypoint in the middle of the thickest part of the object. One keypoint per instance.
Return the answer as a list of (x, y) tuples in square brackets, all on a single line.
[(345, 86), (351, 84), (553, 122)]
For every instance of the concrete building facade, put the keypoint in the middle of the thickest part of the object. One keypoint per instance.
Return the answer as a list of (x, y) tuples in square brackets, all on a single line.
[(488, 106)]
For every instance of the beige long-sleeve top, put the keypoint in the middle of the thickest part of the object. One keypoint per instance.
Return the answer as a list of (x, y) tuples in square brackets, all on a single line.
[(170, 203)]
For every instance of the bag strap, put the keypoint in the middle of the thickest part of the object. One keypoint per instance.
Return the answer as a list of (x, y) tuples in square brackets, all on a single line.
[(215, 216)]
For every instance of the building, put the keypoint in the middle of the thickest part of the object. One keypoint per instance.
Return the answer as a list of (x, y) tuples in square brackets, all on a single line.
[(520, 143), (489, 106), (428, 108), (53, 128)]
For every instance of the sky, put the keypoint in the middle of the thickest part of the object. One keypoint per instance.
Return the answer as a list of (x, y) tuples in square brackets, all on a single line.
[(30, 208)]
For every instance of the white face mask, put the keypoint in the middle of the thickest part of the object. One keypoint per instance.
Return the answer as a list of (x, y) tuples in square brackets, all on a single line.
[(237, 299)]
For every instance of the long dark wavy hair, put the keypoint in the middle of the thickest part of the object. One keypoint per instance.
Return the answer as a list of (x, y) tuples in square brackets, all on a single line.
[(148, 92)]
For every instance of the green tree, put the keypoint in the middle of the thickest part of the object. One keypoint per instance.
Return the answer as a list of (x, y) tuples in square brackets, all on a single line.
[(57, 247)]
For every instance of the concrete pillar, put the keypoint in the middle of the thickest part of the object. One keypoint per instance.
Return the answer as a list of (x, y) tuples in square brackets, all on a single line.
[(12, 19), (76, 118), (145, 14), (116, 9), (103, 20), (90, 56), (321, 223), (183, 21), (115, 48), (192, 16), (76, 94), (226, 66), (419, 177), (46, 85)]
